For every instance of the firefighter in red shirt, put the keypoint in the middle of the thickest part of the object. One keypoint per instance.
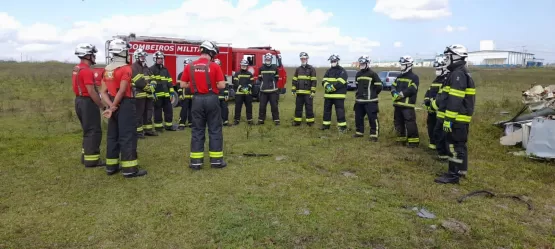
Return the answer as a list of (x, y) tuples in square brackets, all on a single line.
[(122, 123), (205, 79), (88, 105)]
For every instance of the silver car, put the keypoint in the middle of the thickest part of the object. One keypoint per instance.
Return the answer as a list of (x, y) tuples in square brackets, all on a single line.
[(388, 77)]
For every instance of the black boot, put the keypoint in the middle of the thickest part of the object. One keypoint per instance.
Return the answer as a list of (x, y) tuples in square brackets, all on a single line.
[(236, 122), (151, 133), (140, 135), (342, 129), (170, 128), (325, 127), (373, 139), (99, 163), (196, 164), (295, 123), (218, 163), (181, 127), (260, 122), (448, 178), (112, 169), (131, 172), (310, 124), (250, 122), (412, 145), (357, 135), (276, 123)]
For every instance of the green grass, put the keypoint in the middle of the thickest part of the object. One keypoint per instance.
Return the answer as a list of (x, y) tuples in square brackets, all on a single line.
[(49, 200)]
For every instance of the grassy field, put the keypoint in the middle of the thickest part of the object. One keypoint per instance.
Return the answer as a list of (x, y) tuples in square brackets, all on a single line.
[(319, 189)]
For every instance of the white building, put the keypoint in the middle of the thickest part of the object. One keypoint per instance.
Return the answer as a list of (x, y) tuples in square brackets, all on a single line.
[(498, 58), (489, 56)]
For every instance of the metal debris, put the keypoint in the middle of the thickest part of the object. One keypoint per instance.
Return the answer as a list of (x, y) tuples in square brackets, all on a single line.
[(523, 199), (423, 213)]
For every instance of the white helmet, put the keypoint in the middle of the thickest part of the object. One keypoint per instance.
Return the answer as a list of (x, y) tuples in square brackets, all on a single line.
[(244, 62), (139, 53), (218, 61), (268, 59), (208, 47), (364, 61), (84, 49), (334, 58), (406, 63), (455, 52), (187, 61), (118, 46), (440, 65), (158, 55), (303, 55)]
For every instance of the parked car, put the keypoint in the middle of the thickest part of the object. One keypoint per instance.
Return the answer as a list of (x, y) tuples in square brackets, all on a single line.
[(351, 84), (388, 77)]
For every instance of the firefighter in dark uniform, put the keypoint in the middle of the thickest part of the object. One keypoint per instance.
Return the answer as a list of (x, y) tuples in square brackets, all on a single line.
[(185, 98), (117, 93), (88, 105), (164, 93), (334, 82), (224, 97), (205, 78), (243, 81), (143, 87), (404, 92), (442, 148), (429, 97), (268, 76), (304, 87), (369, 85), (459, 107)]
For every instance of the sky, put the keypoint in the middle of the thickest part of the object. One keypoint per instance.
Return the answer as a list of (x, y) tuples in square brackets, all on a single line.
[(382, 29)]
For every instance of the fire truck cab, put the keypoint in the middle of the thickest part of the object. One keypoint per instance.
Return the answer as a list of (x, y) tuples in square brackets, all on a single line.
[(176, 50)]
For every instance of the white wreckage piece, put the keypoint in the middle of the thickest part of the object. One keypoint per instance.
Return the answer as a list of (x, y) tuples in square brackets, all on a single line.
[(535, 131)]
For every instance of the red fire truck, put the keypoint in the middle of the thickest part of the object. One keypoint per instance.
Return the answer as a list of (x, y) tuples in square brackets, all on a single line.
[(176, 50)]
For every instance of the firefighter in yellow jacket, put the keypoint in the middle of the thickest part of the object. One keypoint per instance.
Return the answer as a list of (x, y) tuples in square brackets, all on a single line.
[(164, 93), (185, 100), (457, 100), (304, 88), (404, 91), (144, 88)]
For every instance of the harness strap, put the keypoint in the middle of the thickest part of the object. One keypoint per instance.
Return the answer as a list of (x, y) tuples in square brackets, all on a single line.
[(193, 81), (77, 69)]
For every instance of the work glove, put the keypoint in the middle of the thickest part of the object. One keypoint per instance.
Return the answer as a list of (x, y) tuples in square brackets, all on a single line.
[(447, 126), (294, 93), (330, 88), (427, 102), (312, 94), (152, 86), (172, 95), (397, 95), (182, 97)]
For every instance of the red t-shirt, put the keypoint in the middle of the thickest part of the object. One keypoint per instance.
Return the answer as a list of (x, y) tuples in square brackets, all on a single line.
[(82, 75), (114, 78), (214, 72)]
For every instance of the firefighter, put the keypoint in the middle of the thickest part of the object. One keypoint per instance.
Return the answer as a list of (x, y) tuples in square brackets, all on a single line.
[(224, 96), (404, 91), (459, 107), (304, 87), (431, 94), (164, 93), (268, 76), (122, 121), (88, 105), (205, 79), (369, 85), (243, 81), (185, 98), (143, 87), (334, 82)]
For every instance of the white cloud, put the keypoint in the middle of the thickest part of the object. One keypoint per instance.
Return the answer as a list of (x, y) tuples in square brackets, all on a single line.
[(398, 44), (450, 28), (246, 23), (413, 9)]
